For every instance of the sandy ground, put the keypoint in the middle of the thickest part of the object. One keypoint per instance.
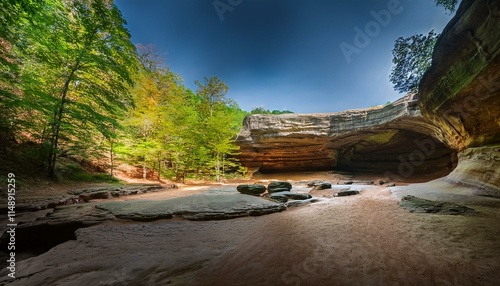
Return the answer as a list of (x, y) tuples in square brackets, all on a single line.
[(360, 240)]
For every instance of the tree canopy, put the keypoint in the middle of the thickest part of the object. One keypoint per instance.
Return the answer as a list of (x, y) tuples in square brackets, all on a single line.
[(411, 58), (73, 85), (412, 55), (262, 110), (449, 5)]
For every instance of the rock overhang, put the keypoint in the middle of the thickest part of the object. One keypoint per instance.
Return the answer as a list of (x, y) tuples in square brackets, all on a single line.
[(322, 141)]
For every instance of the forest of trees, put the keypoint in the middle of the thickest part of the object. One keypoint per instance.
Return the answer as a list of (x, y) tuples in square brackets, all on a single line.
[(74, 87)]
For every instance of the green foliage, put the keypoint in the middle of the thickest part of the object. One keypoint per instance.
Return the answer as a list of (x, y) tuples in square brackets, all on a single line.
[(76, 59), (212, 92), (174, 131), (411, 58), (262, 110), (449, 5), (83, 176), (73, 86)]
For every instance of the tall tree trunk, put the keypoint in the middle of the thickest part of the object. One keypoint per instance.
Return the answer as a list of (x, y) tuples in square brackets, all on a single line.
[(159, 168), (217, 167), (56, 125), (112, 158), (144, 172), (223, 166)]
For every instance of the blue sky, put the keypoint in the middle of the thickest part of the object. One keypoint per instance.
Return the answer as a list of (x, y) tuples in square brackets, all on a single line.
[(284, 54)]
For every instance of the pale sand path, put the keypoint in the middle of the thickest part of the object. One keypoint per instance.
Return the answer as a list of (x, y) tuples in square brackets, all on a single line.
[(362, 240), (359, 240)]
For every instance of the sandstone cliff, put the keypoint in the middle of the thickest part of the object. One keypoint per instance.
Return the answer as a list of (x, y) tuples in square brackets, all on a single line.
[(455, 111), (391, 138), (460, 94)]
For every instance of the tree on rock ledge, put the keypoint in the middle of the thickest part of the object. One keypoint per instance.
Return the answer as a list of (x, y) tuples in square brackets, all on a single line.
[(412, 57)]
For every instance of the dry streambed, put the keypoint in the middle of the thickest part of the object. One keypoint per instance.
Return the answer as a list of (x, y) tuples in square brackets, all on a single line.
[(363, 239)]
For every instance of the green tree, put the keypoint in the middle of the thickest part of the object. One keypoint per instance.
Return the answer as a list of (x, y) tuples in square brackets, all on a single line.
[(449, 5), (218, 128), (77, 66), (212, 91), (262, 110), (12, 14), (411, 58)]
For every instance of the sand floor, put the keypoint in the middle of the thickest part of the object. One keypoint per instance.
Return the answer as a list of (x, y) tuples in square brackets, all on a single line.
[(360, 240)]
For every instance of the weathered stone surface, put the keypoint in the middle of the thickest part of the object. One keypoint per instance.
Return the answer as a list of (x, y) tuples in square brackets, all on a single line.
[(327, 193), (414, 204), (319, 185), (95, 193), (196, 207), (456, 108), (347, 193), (254, 189), (460, 93), (60, 225), (300, 203), (479, 167), (274, 187), (370, 139), (56, 227), (83, 195), (285, 196)]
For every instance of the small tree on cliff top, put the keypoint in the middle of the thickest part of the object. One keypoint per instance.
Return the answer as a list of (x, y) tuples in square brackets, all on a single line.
[(412, 57)]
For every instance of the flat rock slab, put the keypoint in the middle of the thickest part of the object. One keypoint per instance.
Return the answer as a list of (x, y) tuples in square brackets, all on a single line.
[(56, 227), (328, 193), (84, 195), (347, 193), (197, 207), (94, 193), (60, 225), (285, 196), (418, 205)]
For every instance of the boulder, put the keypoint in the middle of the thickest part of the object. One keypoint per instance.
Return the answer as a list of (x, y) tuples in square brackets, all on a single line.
[(299, 203), (328, 193), (252, 189), (320, 185), (283, 197), (347, 193), (275, 187)]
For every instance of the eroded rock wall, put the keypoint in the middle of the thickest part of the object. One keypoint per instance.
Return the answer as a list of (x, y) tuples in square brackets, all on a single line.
[(479, 167), (457, 110), (460, 94), (376, 139)]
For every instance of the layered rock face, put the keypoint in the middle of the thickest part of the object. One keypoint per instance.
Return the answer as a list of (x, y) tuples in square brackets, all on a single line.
[(377, 139), (456, 111), (460, 94)]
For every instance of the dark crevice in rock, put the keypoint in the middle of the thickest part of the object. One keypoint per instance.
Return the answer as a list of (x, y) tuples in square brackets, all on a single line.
[(39, 236)]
